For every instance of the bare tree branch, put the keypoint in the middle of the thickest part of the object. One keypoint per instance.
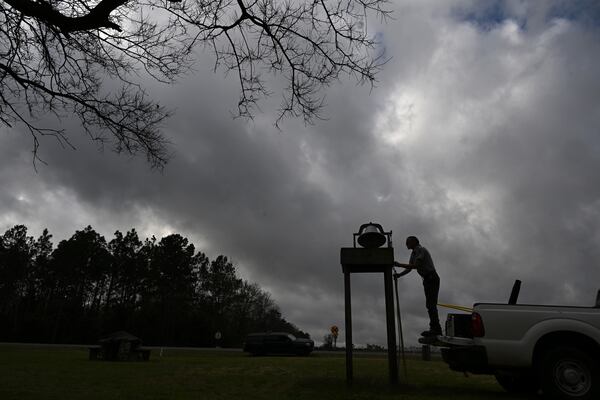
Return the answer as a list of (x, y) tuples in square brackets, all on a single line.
[(93, 18), (65, 57)]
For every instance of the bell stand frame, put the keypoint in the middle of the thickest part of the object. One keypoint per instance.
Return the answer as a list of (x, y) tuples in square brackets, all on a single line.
[(370, 260)]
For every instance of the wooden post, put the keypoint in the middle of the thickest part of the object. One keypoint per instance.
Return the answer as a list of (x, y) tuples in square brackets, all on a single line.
[(348, 304), (391, 328)]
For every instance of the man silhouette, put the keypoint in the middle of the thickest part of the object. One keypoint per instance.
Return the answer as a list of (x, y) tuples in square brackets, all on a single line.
[(421, 260)]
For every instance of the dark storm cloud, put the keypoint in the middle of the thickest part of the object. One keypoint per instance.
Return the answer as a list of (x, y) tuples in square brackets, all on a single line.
[(482, 142)]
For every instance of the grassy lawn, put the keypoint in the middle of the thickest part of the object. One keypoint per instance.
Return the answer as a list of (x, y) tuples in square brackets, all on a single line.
[(66, 373)]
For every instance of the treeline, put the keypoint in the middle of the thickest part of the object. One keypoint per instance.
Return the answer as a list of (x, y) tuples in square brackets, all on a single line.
[(164, 292)]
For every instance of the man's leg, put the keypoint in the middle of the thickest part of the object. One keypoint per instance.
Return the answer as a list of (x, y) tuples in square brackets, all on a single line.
[(432, 288)]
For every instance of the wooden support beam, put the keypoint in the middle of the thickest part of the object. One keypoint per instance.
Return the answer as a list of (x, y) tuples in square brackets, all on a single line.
[(391, 326), (348, 304)]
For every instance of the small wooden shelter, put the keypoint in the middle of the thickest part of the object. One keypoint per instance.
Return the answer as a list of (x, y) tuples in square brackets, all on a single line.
[(120, 346)]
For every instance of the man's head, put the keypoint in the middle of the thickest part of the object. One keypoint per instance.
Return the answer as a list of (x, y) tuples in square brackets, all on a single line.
[(412, 242)]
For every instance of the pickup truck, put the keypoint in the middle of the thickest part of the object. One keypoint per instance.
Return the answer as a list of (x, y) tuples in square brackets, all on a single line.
[(555, 349)]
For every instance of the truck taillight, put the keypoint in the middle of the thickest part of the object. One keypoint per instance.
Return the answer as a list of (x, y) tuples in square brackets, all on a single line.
[(477, 325)]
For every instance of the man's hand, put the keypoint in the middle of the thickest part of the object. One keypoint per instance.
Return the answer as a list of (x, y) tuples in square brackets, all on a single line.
[(400, 265), (406, 267)]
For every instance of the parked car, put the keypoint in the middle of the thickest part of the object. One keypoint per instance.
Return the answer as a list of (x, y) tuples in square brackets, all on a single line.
[(555, 349), (277, 343)]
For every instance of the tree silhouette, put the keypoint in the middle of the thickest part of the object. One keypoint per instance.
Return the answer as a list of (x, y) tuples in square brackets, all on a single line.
[(170, 289), (165, 291), (15, 264), (83, 57), (80, 265), (327, 341)]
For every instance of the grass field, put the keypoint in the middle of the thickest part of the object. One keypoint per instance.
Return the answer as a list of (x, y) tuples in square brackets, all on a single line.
[(66, 373)]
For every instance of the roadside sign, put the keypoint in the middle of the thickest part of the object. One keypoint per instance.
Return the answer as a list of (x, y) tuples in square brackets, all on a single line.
[(334, 331)]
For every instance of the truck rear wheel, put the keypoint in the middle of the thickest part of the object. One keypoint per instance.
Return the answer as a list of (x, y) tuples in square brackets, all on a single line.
[(569, 373), (518, 383)]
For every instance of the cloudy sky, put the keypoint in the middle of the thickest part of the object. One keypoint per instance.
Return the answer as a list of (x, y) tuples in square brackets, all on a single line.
[(482, 138)]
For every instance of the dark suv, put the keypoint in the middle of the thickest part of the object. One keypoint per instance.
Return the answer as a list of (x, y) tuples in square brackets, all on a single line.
[(277, 343)]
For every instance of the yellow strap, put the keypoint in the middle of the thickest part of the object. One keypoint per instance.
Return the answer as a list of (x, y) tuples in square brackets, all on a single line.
[(460, 308)]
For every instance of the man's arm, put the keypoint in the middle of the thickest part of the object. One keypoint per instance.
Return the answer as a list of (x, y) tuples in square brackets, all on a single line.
[(407, 266), (407, 269)]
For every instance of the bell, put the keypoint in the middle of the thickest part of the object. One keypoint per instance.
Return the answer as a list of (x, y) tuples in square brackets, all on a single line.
[(371, 236)]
